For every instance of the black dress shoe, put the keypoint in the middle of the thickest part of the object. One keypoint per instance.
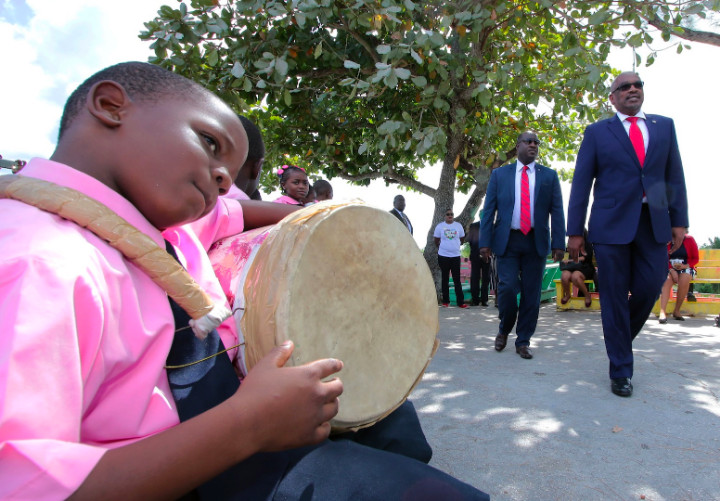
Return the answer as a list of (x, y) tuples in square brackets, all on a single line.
[(484, 303), (524, 352), (500, 341), (621, 386)]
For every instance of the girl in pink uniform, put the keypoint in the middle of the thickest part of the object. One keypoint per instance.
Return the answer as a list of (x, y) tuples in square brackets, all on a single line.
[(294, 183)]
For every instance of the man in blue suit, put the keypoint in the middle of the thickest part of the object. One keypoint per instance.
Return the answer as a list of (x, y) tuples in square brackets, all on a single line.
[(515, 226), (639, 205)]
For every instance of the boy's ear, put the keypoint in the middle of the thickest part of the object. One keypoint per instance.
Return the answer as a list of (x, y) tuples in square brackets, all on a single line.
[(107, 101)]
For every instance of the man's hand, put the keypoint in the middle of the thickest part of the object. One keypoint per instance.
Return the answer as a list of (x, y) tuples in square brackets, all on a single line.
[(484, 254), (576, 247), (678, 234), (291, 406), (558, 255)]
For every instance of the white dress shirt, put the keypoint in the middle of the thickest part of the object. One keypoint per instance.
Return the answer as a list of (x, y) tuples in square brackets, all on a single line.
[(515, 224)]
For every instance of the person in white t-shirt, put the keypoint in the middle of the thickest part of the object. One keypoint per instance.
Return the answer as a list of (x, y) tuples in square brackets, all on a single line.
[(449, 236)]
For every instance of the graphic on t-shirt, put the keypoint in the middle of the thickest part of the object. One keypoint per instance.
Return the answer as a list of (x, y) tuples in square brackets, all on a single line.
[(450, 233)]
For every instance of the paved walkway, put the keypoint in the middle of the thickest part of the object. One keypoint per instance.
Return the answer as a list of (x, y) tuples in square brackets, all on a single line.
[(550, 429)]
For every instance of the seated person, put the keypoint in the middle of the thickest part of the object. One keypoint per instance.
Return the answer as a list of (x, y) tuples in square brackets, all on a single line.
[(577, 273), (681, 270), (91, 352)]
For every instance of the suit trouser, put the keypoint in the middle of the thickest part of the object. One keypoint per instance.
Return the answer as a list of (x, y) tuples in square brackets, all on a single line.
[(383, 462), (478, 268), (520, 270), (451, 265), (639, 269)]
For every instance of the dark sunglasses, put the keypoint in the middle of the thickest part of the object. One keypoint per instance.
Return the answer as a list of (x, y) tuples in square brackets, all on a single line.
[(531, 141), (449, 214), (626, 87)]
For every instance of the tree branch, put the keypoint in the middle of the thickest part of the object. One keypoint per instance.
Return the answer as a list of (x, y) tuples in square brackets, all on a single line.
[(395, 176), (689, 34)]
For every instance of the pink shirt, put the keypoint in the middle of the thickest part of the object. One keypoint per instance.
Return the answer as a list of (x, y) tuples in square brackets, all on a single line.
[(236, 193), (85, 335), (286, 200)]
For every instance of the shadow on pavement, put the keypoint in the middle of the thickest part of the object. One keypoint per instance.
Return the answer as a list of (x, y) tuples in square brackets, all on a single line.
[(549, 428)]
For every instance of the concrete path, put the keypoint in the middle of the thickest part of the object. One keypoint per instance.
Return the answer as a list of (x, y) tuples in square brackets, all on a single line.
[(550, 429)]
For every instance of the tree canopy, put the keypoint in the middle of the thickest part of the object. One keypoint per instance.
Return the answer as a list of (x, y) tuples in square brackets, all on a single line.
[(378, 89)]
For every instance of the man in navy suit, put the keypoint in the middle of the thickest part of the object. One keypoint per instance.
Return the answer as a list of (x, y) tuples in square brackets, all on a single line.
[(398, 211), (521, 246), (639, 205)]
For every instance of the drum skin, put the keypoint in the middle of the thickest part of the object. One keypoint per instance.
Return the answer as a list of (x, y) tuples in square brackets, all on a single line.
[(345, 281)]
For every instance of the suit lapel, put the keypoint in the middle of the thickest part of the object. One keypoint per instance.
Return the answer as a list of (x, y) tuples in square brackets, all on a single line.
[(538, 181), (510, 184), (653, 132), (618, 130)]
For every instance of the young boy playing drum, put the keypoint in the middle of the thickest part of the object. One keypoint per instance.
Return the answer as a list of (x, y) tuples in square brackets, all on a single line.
[(86, 407)]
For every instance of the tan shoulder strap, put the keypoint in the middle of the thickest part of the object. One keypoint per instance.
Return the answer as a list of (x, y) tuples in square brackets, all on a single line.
[(137, 247)]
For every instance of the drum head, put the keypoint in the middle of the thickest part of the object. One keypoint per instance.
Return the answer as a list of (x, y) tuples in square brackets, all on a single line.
[(347, 282)]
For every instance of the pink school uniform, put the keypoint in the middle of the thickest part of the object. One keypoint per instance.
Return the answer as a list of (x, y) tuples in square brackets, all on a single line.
[(286, 200), (236, 193), (85, 338)]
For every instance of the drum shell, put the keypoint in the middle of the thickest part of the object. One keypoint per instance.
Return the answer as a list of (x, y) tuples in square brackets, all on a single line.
[(344, 281)]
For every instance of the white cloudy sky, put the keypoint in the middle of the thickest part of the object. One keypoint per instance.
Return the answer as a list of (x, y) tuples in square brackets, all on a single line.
[(48, 47)]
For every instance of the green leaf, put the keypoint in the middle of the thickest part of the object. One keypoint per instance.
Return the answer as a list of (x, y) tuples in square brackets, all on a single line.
[(212, 58), (419, 81), (351, 65), (237, 70), (693, 8), (383, 49), (318, 50), (416, 57), (402, 73), (281, 66)]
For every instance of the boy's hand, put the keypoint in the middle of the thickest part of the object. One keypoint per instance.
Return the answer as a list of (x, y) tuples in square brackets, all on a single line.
[(291, 406)]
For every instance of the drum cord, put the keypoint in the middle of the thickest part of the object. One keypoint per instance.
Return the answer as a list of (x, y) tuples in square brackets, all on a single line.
[(171, 367)]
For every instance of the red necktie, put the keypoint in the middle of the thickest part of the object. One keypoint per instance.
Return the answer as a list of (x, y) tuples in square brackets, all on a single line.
[(525, 223), (636, 138)]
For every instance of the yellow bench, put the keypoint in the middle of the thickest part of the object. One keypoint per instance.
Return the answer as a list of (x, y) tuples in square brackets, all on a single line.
[(708, 272), (576, 303)]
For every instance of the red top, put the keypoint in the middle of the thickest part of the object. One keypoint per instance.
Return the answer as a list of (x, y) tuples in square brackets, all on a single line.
[(693, 255)]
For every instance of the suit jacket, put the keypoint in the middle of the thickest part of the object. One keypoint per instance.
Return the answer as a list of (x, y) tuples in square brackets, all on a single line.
[(398, 215), (607, 157), (498, 210), (473, 238)]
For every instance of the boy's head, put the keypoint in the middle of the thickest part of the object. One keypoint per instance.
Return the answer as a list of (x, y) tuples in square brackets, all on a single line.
[(165, 143), (249, 176), (323, 190)]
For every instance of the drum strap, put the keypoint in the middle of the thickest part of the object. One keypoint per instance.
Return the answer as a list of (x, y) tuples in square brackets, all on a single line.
[(197, 386), (137, 247)]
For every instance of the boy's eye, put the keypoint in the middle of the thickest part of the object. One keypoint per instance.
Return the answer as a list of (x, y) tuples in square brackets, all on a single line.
[(212, 144)]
